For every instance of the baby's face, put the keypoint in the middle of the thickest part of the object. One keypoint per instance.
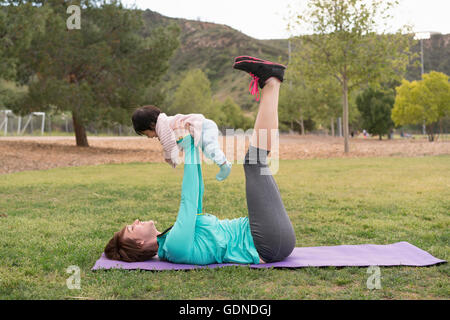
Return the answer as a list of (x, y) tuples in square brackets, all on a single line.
[(149, 133)]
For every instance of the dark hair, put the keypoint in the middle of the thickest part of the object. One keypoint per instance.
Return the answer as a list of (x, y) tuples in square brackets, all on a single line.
[(126, 249), (144, 118)]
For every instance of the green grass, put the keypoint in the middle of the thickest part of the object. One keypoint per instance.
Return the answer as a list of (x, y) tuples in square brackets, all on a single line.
[(52, 219)]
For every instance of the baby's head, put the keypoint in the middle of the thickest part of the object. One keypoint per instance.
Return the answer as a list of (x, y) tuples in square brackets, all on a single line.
[(144, 120)]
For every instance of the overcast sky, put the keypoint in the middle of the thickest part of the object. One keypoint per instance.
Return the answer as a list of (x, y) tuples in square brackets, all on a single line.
[(264, 19)]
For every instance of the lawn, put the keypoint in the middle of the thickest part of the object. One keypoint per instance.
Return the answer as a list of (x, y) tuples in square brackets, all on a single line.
[(53, 219)]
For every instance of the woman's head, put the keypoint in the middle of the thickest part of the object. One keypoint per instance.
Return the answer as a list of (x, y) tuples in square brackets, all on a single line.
[(134, 242), (144, 119)]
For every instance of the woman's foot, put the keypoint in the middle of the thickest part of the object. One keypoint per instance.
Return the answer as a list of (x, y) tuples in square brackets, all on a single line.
[(224, 172), (240, 58), (260, 70)]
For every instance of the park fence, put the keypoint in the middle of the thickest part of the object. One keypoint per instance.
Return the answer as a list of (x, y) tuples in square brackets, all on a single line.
[(42, 123)]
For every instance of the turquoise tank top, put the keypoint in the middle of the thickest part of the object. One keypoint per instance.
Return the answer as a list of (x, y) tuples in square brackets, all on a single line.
[(201, 238)]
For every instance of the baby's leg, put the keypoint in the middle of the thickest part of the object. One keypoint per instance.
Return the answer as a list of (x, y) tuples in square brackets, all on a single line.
[(210, 142)]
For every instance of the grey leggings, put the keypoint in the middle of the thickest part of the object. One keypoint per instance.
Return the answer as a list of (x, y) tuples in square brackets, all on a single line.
[(271, 228)]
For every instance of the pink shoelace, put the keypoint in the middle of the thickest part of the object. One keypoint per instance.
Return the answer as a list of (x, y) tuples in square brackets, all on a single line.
[(253, 88)]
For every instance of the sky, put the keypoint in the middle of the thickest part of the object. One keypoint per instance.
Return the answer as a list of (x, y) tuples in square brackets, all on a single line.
[(264, 19)]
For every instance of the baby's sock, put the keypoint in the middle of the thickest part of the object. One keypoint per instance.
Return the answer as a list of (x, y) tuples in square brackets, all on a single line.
[(225, 170)]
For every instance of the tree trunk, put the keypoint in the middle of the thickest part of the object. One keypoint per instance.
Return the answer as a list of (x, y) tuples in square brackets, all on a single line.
[(302, 125), (332, 127), (430, 132), (80, 131), (441, 131), (345, 113)]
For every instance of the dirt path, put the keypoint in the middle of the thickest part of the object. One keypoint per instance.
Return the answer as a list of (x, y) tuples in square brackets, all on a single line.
[(38, 153)]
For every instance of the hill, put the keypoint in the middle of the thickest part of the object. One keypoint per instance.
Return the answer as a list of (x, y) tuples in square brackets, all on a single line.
[(436, 56), (212, 47)]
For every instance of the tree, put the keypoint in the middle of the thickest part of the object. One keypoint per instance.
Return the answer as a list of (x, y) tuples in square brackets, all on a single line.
[(426, 100), (193, 95), (233, 117), (316, 97), (345, 45), (375, 108), (98, 72), (325, 102), (292, 106), (18, 24)]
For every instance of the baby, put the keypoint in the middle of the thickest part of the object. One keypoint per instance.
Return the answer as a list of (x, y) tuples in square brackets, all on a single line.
[(150, 121)]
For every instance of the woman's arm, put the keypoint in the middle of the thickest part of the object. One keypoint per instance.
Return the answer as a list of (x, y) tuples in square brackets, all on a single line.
[(180, 240)]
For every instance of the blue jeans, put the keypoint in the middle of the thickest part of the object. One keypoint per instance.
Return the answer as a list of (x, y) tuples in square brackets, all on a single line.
[(209, 142)]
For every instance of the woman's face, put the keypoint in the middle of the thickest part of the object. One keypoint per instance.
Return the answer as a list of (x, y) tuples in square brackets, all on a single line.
[(141, 231)]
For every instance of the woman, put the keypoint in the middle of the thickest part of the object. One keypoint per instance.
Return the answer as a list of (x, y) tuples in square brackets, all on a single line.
[(266, 235)]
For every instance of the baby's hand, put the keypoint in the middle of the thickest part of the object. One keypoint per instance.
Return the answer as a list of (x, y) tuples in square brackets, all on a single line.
[(180, 132), (169, 161)]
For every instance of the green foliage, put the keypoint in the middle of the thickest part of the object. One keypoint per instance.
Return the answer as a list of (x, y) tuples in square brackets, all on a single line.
[(193, 95), (289, 107), (99, 72), (211, 48), (345, 45), (18, 25), (436, 56), (375, 107), (315, 97), (426, 101), (10, 93), (207, 46), (233, 117)]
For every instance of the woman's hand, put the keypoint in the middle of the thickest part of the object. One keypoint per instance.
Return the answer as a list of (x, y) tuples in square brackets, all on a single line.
[(180, 132)]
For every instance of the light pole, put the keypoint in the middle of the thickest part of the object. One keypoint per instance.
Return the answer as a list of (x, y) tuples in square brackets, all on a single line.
[(422, 36)]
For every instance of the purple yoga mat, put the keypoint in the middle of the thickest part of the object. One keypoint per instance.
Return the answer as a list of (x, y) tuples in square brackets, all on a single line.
[(397, 254)]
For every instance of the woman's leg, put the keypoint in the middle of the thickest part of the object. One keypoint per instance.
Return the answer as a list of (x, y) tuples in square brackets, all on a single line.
[(271, 228), (267, 117)]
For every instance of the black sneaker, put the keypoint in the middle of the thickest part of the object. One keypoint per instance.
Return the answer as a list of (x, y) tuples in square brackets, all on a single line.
[(260, 70), (240, 58)]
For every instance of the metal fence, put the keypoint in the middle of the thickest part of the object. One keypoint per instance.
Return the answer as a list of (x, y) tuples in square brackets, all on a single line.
[(41, 123)]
